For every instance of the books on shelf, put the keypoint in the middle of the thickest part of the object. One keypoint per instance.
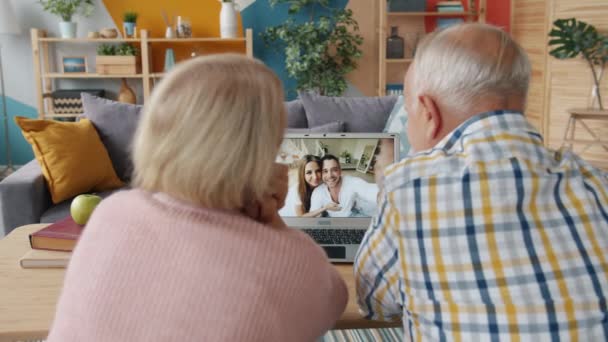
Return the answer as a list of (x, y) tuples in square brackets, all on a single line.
[(447, 7), (59, 236), (38, 258)]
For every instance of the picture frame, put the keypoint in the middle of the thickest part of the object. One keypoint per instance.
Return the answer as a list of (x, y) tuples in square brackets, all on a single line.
[(74, 64)]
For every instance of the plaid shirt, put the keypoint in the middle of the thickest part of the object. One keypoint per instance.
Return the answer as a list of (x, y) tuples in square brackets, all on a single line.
[(489, 236)]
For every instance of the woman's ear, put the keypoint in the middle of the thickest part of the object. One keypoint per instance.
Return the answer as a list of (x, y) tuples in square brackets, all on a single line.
[(431, 116)]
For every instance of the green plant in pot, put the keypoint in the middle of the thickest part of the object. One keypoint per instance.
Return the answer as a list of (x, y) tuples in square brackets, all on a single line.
[(116, 59), (66, 10), (320, 49), (130, 24), (345, 157), (571, 38)]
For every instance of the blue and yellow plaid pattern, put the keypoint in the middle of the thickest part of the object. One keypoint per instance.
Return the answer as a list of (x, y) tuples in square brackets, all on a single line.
[(489, 236)]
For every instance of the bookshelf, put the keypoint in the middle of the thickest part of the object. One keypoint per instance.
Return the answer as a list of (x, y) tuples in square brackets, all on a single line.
[(46, 75), (411, 27)]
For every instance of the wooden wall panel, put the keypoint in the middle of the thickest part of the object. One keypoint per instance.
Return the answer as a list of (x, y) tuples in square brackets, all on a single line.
[(528, 26), (571, 80), (558, 85)]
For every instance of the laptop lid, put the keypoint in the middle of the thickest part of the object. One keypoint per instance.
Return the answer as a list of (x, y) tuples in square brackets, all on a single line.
[(323, 161)]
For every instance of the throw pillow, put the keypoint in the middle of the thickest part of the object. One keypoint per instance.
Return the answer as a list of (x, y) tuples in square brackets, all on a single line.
[(396, 123), (332, 127), (359, 114), (296, 117), (116, 123), (72, 158)]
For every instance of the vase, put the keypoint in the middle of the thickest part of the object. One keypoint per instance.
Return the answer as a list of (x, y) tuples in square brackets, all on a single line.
[(169, 59), (595, 99), (129, 29), (395, 46), (228, 20), (67, 29), (126, 94)]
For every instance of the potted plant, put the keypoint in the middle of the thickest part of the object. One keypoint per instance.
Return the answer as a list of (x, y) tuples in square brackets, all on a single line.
[(344, 157), (129, 24), (319, 50), (572, 38), (117, 60), (66, 9)]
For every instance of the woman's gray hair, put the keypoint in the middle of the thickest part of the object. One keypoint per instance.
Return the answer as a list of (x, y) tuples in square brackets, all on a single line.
[(468, 62)]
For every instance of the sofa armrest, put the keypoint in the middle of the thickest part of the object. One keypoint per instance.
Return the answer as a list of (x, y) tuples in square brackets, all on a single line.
[(24, 196)]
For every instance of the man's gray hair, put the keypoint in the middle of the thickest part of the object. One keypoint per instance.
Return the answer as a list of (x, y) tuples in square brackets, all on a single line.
[(465, 63)]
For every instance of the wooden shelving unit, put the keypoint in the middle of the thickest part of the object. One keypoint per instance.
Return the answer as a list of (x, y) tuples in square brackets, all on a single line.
[(431, 14), (89, 75), (45, 74), (392, 71)]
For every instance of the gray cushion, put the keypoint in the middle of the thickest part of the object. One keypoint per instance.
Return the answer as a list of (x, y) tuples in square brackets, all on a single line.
[(62, 210), (296, 117), (116, 123), (332, 127), (359, 114)]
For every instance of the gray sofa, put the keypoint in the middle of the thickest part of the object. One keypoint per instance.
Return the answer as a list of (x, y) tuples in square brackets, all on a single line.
[(24, 196)]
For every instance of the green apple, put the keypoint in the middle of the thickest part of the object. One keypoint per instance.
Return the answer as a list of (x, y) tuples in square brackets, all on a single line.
[(82, 207)]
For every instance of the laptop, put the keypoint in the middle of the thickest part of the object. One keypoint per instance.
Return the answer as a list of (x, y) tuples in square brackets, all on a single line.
[(336, 220)]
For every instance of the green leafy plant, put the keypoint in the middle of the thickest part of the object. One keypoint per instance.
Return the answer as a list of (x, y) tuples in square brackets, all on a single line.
[(572, 38), (320, 51), (123, 49), (106, 50), (130, 17), (66, 9)]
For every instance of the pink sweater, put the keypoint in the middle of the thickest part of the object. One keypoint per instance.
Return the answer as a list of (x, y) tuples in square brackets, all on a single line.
[(151, 268)]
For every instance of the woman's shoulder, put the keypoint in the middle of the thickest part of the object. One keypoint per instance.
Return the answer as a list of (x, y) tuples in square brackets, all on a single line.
[(301, 244)]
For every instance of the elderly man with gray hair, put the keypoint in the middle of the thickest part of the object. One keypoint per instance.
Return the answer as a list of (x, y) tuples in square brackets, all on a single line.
[(483, 234)]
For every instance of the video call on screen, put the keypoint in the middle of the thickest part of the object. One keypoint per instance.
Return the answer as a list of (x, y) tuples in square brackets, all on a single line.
[(322, 186)]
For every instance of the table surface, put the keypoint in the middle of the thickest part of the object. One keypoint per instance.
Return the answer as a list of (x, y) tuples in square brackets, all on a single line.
[(28, 296)]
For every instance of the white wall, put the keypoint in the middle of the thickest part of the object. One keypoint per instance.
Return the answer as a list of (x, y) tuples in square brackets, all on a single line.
[(17, 50)]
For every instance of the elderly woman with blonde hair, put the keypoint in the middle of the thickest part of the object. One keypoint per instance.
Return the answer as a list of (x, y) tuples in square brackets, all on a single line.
[(196, 250)]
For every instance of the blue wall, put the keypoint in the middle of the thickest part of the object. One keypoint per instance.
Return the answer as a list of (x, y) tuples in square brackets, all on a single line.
[(261, 15), (21, 152)]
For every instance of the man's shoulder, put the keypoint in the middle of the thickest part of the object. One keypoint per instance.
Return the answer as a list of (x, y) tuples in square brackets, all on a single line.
[(351, 180), (421, 166), (319, 189)]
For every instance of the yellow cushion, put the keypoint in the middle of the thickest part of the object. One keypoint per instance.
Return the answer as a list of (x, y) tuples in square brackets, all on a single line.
[(71, 155)]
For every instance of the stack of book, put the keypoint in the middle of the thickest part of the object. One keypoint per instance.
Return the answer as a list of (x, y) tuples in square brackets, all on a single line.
[(449, 6), (51, 246)]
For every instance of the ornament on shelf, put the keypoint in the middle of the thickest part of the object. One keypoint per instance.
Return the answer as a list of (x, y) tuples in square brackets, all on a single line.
[(126, 94)]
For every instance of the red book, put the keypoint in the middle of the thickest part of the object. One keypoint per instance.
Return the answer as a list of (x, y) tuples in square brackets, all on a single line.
[(59, 236)]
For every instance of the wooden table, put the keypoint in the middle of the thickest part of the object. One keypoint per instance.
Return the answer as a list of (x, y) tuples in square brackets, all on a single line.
[(28, 296)]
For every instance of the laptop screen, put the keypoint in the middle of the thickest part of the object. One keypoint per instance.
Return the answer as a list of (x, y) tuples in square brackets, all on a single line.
[(334, 175)]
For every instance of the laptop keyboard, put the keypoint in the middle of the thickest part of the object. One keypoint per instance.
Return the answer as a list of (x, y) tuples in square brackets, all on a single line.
[(336, 236)]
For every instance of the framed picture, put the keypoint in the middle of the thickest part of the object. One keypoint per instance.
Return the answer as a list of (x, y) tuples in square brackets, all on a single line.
[(77, 64)]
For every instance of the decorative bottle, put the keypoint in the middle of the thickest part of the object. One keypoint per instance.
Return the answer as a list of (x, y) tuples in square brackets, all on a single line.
[(395, 48), (228, 19)]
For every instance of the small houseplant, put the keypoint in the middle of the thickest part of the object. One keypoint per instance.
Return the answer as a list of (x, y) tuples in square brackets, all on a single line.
[(130, 24), (345, 157), (571, 38), (116, 60), (66, 10), (319, 49)]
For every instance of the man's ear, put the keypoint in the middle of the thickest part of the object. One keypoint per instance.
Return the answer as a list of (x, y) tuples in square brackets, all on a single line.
[(431, 116)]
